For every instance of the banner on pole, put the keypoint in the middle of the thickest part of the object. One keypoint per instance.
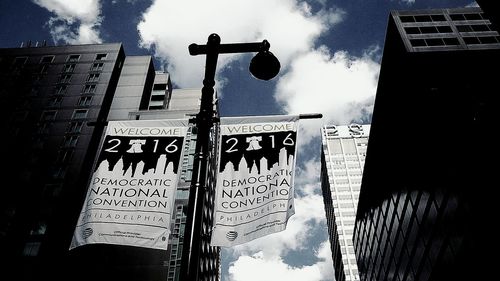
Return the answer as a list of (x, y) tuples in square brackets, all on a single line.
[(255, 177), (132, 190)]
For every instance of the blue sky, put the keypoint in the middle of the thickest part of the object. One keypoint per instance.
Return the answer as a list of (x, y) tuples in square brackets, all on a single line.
[(330, 51)]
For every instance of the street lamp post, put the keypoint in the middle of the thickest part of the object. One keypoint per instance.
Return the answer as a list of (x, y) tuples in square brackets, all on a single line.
[(263, 66)]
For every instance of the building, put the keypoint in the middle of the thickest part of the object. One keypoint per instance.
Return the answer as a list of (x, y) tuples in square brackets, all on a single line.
[(60, 99), (426, 202), (342, 162)]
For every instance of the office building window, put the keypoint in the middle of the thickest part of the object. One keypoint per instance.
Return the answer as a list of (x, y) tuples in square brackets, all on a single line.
[(101, 56), (64, 156), (48, 115), (20, 61), (85, 101), (97, 66), (70, 141), (80, 114), (31, 249), (73, 58), (89, 89), (60, 90), (93, 77), (55, 101), (75, 127), (65, 78), (44, 69), (59, 171), (69, 67), (47, 59)]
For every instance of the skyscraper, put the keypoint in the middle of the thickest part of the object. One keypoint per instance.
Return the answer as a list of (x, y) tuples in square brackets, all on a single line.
[(426, 201), (342, 162), (60, 99)]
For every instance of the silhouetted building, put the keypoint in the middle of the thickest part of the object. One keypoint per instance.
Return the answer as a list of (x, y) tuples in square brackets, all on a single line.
[(492, 10), (57, 102), (342, 162), (426, 200)]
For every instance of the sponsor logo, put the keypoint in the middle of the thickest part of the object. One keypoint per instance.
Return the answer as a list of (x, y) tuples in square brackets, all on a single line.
[(231, 235), (87, 232)]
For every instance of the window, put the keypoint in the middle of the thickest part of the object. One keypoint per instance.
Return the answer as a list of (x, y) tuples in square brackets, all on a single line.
[(428, 29), (423, 18), (488, 40), (479, 27), (472, 16), (406, 19), (412, 30), (60, 90), (19, 61), (89, 89), (75, 127), (64, 156), (471, 40), (438, 18), (101, 56), (70, 141), (48, 115), (93, 77), (44, 69), (444, 29), (55, 101), (47, 59), (457, 17), (65, 78), (417, 42), (31, 249), (85, 101), (73, 58), (44, 128), (97, 66), (69, 67), (80, 113), (451, 41)]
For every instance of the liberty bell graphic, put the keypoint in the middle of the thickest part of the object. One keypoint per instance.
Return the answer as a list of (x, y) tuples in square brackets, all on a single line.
[(136, 146)]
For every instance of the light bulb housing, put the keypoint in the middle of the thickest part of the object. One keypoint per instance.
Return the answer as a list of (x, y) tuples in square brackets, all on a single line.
[(264, 65)]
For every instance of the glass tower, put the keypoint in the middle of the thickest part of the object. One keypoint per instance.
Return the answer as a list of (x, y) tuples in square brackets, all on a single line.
[(342, 161), (428, 191)]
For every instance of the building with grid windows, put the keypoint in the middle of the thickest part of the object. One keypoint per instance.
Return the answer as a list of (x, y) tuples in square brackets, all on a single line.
[(426, 199), (57, 101), (342, 161)]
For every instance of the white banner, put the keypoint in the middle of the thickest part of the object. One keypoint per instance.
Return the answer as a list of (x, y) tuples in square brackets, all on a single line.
[(255, 178), (132, 191)]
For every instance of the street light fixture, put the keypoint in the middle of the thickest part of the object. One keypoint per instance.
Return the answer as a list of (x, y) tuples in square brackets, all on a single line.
[(263, 66)]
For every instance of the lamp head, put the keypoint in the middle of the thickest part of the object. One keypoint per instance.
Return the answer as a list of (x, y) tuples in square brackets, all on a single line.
[(264, 65)]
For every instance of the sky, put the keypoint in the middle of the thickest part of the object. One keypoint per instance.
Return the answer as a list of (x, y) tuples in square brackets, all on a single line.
[(330, 53)]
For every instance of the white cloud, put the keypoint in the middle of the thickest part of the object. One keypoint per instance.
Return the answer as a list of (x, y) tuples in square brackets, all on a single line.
[(408, 2), (472, 4), (340, 86), (169, 27), (75, 21), (258, 267)]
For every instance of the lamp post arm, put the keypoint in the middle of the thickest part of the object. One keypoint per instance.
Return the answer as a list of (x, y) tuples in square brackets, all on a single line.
[(195, 49)]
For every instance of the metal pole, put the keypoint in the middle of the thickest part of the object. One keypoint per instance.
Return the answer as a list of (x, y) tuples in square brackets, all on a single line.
[(204, 121)]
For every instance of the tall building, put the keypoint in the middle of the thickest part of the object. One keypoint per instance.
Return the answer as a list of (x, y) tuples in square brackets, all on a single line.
[(342, 162), (59, 101), (427, 200)]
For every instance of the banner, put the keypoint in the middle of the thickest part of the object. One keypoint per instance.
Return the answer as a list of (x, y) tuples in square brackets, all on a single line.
[(132, 191), (255, 177)]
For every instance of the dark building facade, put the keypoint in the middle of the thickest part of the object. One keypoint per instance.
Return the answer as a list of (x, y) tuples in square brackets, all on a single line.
[(57, 102), (426, 202)]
